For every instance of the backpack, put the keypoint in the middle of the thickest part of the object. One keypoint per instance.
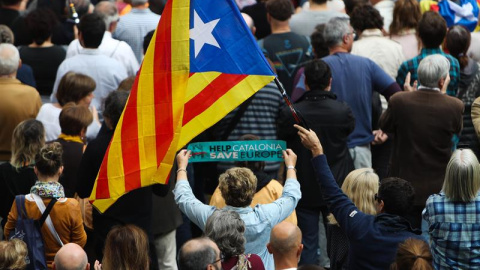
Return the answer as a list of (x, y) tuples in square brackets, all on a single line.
[(28, 230)]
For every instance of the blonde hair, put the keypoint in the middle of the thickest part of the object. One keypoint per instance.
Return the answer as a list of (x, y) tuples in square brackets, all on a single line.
[(237, 186), (462, 177), (27, 140), (360, 186), (13, 254), (413, 254)]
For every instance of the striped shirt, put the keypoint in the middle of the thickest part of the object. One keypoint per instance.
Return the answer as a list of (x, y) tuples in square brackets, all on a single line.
[(133, 27), (259, 119)]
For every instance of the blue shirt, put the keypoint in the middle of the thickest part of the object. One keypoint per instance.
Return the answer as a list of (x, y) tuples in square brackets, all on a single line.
[(259, 220), (353, 80), (134, 26), (412, 66), (454, 229)]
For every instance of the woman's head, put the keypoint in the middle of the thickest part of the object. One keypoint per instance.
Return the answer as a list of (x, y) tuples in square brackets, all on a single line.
[(406, 15), (75, 87), (360, 186), (27, 140), (462, 178), (74, 119), (237, 186), (413, 254), (126, 248), (49, 160), (13, 254), (457, 43), (226, 229), (40, 23)]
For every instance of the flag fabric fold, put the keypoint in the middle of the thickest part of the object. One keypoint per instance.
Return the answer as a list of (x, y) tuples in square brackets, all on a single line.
[(201, 64)]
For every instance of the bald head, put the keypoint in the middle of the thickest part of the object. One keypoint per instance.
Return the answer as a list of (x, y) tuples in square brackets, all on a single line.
[(285, 238), (71, 257), (199, 254), (9, 59)]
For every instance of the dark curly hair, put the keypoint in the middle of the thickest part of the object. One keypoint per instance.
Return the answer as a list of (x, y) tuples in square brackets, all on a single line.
[(40, 23), (366, 17), (237, 186), (397, 195)]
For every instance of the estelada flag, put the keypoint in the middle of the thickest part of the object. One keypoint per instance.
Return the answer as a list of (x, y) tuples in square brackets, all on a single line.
[(201, 64)]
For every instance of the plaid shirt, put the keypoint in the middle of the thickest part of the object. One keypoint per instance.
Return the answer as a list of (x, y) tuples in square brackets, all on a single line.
[(412, 66), (454, 229)]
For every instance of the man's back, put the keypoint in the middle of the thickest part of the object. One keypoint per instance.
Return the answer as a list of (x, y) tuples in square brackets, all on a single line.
[(105, 71), (19, 102), (116, 49), (287, 51), (423, 123), (133, 27), (353, 80), (333, 121)]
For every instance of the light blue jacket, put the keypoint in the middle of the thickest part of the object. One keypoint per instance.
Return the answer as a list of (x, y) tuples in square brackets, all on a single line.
[(259, 220)]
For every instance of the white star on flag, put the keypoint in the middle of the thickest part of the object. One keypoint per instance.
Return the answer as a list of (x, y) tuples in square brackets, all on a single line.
[(201, 33)]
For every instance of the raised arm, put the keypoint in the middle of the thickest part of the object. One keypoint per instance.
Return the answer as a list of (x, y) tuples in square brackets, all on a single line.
[(345, 212), (194, 209)]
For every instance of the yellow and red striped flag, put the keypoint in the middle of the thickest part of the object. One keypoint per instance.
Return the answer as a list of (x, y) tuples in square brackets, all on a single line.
[(201, 64)]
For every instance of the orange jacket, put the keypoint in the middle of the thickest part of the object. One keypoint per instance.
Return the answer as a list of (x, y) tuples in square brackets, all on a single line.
[(66, 218)]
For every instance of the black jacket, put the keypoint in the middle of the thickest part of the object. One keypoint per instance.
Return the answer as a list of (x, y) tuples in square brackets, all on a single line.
[(333, 121)]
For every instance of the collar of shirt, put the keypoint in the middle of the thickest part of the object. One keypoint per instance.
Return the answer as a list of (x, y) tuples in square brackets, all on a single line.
[(371, 33), (138, 10), (6, 80), (421, 87), (89, 51), (430, 51)]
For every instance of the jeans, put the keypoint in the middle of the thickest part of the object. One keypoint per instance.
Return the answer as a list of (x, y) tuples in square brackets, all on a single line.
[(362, 156)]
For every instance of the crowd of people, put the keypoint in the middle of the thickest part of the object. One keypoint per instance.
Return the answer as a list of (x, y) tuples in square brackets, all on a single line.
[(383, 175)]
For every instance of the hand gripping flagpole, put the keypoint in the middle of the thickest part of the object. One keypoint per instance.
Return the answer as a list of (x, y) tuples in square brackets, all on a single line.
[(296, 114)]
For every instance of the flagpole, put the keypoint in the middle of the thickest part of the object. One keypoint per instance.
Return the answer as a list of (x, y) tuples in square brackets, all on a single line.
[(296, 114)]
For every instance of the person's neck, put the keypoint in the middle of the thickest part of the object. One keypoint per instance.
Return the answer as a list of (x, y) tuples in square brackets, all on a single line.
[(338, 49), (45, 44), (17, 7), (141, 6), (285, 262), (9, 76), (43, 178), (318, 7), (280, 27)]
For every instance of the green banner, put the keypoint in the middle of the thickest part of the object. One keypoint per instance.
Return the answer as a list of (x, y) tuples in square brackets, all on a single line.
[(264, 150)]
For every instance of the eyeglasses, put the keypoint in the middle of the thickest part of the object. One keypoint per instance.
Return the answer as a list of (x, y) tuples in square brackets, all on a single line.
[(354, 34), (222, 259), (377, 198)]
